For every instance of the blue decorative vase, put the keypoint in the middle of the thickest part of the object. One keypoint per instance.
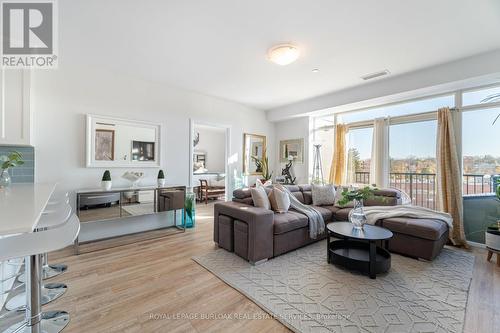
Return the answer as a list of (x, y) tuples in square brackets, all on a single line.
[(189, 206)]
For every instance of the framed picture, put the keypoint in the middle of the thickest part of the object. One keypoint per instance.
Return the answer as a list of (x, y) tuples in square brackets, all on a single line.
[(292, 148), (253, 146), (104, 145)]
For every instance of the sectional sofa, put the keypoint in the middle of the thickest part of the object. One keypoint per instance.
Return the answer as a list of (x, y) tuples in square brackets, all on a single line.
[(257, 234)]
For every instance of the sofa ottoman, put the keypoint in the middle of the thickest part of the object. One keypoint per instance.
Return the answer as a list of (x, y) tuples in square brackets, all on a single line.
[(417, 238)]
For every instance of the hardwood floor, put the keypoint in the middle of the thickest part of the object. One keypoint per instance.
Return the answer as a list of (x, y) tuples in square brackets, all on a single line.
[(135, 287)]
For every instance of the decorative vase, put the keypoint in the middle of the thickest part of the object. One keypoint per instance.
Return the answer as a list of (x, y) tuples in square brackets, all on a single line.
[(5, 180), (357, 215), (161, 182), (189, 206), (106, 185)]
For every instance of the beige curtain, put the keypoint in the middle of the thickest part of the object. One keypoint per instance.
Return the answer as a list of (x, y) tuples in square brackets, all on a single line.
[(449, 177), (379, 166), (338, 168)]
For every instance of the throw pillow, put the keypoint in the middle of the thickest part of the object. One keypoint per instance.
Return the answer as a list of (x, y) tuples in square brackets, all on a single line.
[(259, 197), (323, 194), (259, 183), (279, 199)]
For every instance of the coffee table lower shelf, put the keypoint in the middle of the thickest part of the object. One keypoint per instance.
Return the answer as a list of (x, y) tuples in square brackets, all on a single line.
[(355, 255)]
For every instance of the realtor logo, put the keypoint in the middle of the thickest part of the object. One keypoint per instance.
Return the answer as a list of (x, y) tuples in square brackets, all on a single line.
[(29, 31)]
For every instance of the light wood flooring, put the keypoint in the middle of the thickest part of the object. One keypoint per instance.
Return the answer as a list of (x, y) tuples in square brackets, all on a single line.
[(134, 287)]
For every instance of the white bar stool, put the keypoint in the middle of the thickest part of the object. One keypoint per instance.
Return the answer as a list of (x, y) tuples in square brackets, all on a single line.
[(49, 291), (30, 245)]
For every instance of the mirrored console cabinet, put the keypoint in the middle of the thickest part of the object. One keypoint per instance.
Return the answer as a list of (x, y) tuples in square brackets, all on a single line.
[(99, 205)]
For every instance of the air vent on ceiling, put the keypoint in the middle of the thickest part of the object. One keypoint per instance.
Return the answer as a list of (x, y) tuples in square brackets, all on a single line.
[(375, 75)]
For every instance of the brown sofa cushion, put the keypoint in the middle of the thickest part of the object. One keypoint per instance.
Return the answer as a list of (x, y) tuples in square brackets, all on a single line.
[(334, 209), (247, 201), (242, 193), (306, 191), (421, 228), (325, 212), (289, 221), (342, 214)]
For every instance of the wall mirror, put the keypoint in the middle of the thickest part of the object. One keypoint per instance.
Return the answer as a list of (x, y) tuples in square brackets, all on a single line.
[(253, 145), (114, 142)]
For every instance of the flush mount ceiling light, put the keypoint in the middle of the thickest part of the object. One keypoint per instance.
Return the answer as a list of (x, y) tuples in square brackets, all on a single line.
[(283, 54)]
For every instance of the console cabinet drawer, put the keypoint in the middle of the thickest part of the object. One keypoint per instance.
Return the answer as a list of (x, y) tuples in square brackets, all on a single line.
[(98, 199)]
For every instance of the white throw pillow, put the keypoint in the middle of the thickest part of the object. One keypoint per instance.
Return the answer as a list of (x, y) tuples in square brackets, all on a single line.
[(279, 199), (323, 195), (259, 183), (259, 197)]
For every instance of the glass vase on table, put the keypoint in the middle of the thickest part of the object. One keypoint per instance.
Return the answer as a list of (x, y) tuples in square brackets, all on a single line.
[(5, 179), (357, 215)]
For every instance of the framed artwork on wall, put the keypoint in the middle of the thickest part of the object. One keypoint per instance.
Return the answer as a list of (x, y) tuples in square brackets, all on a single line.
[(104, 145), (292, 148)]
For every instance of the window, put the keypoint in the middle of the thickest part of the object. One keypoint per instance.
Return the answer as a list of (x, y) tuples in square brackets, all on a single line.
[(402, 109), (480, 150), (412, 150), (482, 96), (359, 150)]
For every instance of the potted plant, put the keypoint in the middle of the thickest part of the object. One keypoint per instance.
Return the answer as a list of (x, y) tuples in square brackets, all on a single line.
[(12, 160), (357, 196), (106, 180), (262, 165), (161, 178)]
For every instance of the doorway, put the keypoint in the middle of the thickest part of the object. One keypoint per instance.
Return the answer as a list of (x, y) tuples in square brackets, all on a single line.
[(208, 163)]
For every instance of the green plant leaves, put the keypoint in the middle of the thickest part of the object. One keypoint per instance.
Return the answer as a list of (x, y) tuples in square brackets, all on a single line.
[(12, 160)]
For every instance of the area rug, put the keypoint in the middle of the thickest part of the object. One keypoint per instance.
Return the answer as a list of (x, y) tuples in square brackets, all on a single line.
[(307, 294)]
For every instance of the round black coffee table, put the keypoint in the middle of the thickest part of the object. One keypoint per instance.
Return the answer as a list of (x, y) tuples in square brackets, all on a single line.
[(357, 249)]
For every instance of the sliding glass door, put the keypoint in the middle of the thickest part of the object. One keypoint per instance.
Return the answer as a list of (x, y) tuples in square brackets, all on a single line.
[(412, 150)]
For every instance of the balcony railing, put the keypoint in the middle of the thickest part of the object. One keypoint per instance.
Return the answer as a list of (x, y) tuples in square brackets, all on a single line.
[(421, 187)]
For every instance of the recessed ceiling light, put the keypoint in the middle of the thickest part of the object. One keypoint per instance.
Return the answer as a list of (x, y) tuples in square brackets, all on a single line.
[(283, 54), (316, 70)]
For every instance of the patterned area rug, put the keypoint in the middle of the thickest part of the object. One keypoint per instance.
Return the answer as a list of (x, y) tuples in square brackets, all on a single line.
[(307, 294)]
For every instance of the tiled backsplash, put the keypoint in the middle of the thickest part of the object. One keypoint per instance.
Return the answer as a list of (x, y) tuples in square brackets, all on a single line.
[(26, 172)]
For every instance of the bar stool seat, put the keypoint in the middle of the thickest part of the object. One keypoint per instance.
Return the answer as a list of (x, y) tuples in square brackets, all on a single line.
[(30, 245), (52, 216)]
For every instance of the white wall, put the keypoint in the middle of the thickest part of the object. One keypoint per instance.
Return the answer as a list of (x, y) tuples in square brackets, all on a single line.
[(296, 128), (212, 143), (62, 97)]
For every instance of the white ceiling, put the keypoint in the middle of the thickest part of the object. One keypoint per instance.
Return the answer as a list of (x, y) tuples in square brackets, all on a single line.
[(218, 47)]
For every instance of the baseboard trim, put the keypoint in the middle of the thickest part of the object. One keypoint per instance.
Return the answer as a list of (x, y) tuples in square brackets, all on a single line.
[(475, 244)]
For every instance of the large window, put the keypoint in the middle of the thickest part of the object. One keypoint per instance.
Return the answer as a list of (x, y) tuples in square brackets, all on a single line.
[(359, 149), (480, 150), (412, 150)]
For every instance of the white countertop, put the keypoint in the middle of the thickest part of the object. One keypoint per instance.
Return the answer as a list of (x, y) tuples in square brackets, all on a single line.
[(21, 206)]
